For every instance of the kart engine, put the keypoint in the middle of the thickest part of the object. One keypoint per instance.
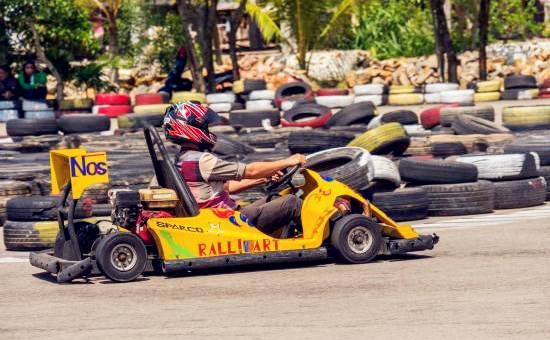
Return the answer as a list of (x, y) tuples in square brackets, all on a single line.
[(127, 207)]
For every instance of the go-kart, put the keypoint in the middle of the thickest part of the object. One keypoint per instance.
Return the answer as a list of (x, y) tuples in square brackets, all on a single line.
[(163, 229)]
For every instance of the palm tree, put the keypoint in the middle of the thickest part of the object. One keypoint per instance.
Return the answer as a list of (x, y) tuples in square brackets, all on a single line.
[(110, 9), (310, 21)]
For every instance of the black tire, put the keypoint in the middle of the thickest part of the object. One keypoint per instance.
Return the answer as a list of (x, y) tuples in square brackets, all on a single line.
[(433, 171), (26, 235), (544, 171), (83, 123), (293, 90), (247, 118), (309, 141), (405, 117), (467, 125), (36, 208), (134, 247), (360, 225), (358, 113), (31, 127), (254, 85), (444, 150), (448, 114), (520, 194), (347, 165), (460, 199), (310, 111), (263, 139), (228, 146), (405, 204), (102, 209), (520, 82), (541, 147)]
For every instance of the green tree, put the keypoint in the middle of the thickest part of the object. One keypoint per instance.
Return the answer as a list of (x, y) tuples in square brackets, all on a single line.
[(311, 22), (57, 31), (110, 9)]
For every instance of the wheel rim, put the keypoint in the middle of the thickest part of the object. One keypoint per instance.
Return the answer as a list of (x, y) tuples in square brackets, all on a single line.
[(360, 240), (123, 257)]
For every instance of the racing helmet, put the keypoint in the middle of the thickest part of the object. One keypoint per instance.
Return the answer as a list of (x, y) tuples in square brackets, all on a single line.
[(188, 122)]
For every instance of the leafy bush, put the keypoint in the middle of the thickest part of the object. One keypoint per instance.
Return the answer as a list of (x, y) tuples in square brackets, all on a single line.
[(392, 28), (514, 19)]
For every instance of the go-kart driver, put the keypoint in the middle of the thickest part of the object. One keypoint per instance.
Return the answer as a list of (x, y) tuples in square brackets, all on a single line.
[(212, 180)]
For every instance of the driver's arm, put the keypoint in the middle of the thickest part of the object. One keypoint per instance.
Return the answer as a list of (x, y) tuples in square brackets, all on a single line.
[(261, 170), (234, 187)]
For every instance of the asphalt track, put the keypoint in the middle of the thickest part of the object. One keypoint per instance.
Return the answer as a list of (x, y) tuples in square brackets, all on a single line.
[(487, 279)]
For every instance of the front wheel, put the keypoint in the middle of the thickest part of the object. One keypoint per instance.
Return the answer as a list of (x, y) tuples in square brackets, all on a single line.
[(356, 238), (121, 256)]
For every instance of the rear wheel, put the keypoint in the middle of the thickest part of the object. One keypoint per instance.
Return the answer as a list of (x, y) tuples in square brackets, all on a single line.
[(121, 256), (356, 239)]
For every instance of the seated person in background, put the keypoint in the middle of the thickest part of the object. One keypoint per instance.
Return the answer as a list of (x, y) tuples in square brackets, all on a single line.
[(8, 84), (32, 82)]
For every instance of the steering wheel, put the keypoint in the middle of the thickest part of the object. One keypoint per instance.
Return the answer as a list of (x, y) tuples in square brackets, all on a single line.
[(277, 186)]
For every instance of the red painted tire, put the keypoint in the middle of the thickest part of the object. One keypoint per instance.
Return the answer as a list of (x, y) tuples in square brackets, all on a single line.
[(544, 93), (332, 92), (292, 117), (292, 92), (149, 99), (112, 99), (430, 117), (114, 110)]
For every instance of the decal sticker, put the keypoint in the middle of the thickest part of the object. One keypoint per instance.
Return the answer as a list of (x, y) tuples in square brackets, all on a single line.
[(180, 227), (215, 228), (237, 247)]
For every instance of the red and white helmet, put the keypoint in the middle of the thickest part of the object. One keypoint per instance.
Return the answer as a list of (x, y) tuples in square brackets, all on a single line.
[(188, 122)]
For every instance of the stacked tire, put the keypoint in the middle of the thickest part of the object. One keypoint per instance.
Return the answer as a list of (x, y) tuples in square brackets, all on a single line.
[(520, 88), (374, 93), (434, 91), (405, 95), (516, 178), (9, 110), (148, 108), (36, 110), (334, 98), (77, 105), (485, 91), (9, 190), (518, 118), (545, 89), (452, 188), (221, 103), (112, 105), (386, 139)]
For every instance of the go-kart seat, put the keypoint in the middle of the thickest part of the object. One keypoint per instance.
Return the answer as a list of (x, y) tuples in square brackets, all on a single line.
[(167, 174)]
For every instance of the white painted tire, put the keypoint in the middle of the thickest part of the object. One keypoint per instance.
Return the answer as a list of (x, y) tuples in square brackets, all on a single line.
[(7, 104), (220, 107), (258, 105), (39, 114), (28, 105), (287, 105), (385, 170), (441, 87), (262, 94), (6, 115), (504, 166), (334, 101), (215, 98), (368, 89), (376, 99), (432, 98), (375, 122), (460, 97), (95, 108), (414, 130)]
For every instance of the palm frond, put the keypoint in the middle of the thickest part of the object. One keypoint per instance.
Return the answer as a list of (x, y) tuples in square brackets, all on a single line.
[(264, 20), (341, 9)]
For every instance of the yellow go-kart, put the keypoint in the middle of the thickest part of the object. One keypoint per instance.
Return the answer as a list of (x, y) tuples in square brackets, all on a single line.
[(163, 228)]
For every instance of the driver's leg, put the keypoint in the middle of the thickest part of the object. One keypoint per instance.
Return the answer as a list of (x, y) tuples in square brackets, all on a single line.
[(272, 215)]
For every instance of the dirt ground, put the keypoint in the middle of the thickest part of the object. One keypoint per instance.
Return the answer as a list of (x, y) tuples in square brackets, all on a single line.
[(485, 280)]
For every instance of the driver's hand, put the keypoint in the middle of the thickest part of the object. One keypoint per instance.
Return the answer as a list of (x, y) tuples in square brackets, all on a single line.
[(277, 176), (297, 159)]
